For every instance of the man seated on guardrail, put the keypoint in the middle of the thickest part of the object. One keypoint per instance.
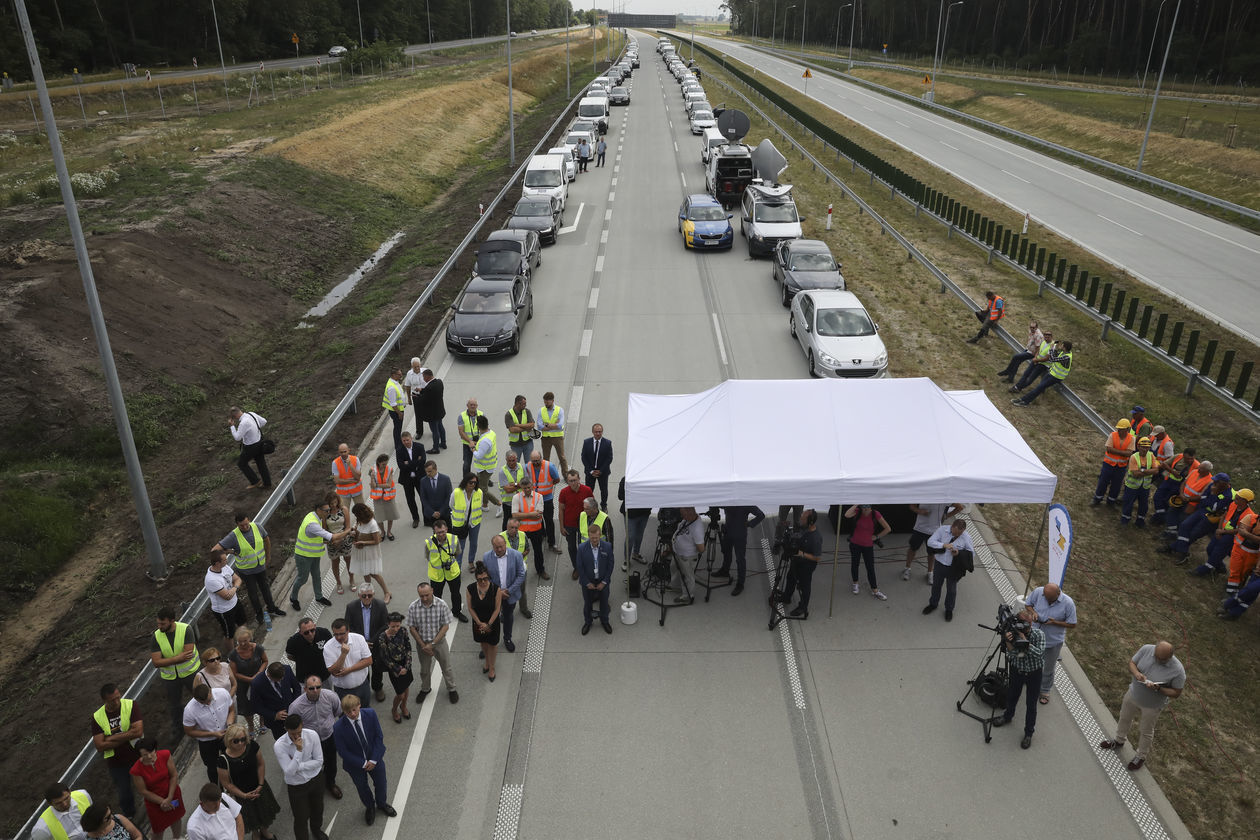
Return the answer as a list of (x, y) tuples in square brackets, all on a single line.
[(1036, 365), (989, 316), (1031, 347), (1059, 366)]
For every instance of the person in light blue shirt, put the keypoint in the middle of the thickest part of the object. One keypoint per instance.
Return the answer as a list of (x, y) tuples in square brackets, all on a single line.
[(1055, 613), (953, 550)]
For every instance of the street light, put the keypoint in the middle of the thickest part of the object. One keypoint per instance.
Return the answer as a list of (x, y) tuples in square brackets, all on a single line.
[(942, 22), (359, 9), (786, 27), (568, 74), (945, 34), (804, 9), (1151, 51), (222, 65), (511, 115), (838, 11), (774, 20), (852, 26), (1150, 118), (470, 29), (756, 8), (428, 19)]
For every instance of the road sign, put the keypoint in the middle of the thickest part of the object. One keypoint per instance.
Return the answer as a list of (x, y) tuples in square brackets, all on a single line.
[(927, 80), (295, 38), (807, 74)]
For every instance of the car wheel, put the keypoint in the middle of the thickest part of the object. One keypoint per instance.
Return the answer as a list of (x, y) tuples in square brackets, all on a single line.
[(516, 348), (529, 314), (812, 370), (786, 297), (750, 253), (792, 325)]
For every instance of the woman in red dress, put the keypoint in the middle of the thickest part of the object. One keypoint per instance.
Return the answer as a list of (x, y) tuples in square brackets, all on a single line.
[(156, 780)]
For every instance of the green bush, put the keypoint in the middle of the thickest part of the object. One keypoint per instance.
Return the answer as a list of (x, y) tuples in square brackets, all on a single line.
[(51, 530), (368, 60)]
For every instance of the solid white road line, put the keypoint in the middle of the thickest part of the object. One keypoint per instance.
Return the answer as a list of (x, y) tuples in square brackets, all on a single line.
[(1117, 224), (576, 219), (445, 368), (718, 332), (1013, 175), (574, 415)]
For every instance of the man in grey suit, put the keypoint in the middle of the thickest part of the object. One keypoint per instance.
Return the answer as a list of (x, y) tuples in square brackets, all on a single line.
[(435, 495), (595, 566), (507, 571)]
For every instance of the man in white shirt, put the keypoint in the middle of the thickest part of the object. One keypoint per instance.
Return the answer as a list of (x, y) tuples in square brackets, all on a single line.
[(62, 819), (302, 762), (953, 549), (349, 660), (222, 584), (688, 545), (206, 717), (217, 816), (927, 518), (246, 429)]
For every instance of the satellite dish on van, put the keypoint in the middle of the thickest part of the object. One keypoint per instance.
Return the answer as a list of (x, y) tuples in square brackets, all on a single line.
[(733, 125), (767, 162)]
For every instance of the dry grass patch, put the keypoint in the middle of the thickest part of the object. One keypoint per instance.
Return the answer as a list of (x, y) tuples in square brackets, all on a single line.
[(409, 145)]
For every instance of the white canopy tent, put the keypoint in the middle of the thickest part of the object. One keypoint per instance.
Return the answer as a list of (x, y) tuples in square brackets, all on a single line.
[(827, 441)]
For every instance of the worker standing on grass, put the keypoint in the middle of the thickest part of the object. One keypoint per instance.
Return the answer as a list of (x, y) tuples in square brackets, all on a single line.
[(1116, 451), (1137, 482), (989, 316)]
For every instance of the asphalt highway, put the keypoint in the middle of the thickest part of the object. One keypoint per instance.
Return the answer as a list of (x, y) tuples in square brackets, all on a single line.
[(1207, 264), (708, 726)]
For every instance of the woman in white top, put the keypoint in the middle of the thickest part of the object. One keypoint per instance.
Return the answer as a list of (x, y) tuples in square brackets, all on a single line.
[(214, 673), (338, 550), (367, 546)]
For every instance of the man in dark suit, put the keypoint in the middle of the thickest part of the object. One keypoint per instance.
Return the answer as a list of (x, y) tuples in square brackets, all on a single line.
[(595, 567), (361, 745), (368, 617), (430, 408), (271, 692), (410, 457), (597, 458), (435, 495), (507, 571)]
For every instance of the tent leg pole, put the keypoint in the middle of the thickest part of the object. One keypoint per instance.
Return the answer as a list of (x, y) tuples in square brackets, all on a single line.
[(1045, 518), (835, 562)]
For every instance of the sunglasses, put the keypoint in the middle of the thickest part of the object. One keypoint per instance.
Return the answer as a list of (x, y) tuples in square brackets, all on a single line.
[(310, 632), (239, 740), (366, 597), (482, 577), (209, 659)]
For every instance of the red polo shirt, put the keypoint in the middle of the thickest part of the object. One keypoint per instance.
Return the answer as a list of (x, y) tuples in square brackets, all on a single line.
[(572, 501)]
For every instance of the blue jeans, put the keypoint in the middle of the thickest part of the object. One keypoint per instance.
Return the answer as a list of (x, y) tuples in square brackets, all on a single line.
[(437, 433), (1044, 385), (469, 542), (1029, 685)]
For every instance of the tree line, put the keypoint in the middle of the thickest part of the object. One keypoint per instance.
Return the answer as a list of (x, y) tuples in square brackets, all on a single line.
[(1217, 40), (99, 35)]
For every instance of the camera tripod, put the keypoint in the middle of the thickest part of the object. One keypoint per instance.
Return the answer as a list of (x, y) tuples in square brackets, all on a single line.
[(999, 654), (778, 609), (714, 540), (660, 571)]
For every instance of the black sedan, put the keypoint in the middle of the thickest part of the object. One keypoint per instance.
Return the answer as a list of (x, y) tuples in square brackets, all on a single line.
[(801, 264), (489, 317), (541, 214), (619, 96), (523, 243)]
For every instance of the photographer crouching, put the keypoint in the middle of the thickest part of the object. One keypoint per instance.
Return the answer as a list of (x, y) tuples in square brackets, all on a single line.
[(1025, 654), (806, 552)]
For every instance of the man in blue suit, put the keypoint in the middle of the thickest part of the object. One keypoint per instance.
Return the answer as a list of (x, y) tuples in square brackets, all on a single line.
[(435, 495), (595, 567), (507, 571), (361, 745), (272, 692), (597, 458)]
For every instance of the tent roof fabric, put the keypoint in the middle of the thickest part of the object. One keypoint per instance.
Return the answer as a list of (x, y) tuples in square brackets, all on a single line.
[(827, 441)]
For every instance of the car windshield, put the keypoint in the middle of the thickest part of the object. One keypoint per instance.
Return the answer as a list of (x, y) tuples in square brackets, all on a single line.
[(494, 303), (706, 213), (542, 178), (844, 323), (619, 91), (498, 262), (592, 109), (813, 262), (775, 213), (532, 208), (574, 139), (702, 115)]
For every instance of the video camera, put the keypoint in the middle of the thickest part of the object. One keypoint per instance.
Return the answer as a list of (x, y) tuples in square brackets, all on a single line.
[(667, 520), (1009, 621)]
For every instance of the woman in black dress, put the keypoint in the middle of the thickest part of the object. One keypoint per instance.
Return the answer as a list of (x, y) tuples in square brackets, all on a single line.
[(485, 601), (393, 649), (242, 773)]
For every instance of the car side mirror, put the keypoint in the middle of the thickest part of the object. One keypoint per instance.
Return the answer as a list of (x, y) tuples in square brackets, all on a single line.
[(730, 215), (801, 218), (808, 328)]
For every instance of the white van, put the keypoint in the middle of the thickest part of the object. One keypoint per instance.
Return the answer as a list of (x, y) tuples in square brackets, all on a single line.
[(594, 108), (545, 175), (710, 139)]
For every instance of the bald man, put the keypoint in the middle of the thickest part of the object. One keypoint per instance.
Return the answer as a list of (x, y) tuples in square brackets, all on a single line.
[(1158, 677), (1055, 614)]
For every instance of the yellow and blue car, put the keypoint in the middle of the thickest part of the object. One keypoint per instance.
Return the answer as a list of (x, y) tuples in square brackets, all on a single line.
[(704, 223)]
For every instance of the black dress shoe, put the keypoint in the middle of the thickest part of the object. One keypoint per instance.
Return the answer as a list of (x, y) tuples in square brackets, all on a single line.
[(721, 573), (420, 695), (453, 696), (738, 590), (929, 609), (1026, 743), (380, 695), (296, 606), (434, 451), (586, 628), (324, 601), (1002, 721), (799, 613), (415, 523), (607, 627), (509, 646), (387, 810), (276, 611), (334, 791), (319, 835), (369, 815), (463, 619), (949, 615), (527, 613)]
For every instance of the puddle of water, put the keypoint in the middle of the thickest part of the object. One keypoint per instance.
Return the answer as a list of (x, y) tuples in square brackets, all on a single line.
[(343, 289)]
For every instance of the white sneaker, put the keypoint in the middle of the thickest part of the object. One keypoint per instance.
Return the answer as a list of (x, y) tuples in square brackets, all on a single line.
[(905, 575), (929, 578), (856, 589), (880, 595)]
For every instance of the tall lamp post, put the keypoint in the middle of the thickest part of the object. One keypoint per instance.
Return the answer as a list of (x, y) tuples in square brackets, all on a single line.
[(786, 27), (852, 26), (1151, 51), (838, 11), (470, 29), (511, 113), (568, 74), (222, 64), (774, 20), (358, 8), (756, 8), (942, 23), (1150, 118), (804, 9)]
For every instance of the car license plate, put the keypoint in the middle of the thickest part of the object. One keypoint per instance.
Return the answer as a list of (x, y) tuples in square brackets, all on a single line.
[(478, 349)]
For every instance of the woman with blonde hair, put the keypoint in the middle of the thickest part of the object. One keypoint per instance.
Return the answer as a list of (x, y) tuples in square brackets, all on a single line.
[(338, 550), (214, 673), (243, 774)]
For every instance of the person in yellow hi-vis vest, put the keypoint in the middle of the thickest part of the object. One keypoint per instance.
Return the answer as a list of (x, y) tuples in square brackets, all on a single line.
[(63, 818), (442, 550), (173, 650), (116, 726)]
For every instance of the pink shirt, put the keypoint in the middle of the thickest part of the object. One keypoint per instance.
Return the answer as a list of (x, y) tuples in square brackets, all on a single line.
[(864, 529)]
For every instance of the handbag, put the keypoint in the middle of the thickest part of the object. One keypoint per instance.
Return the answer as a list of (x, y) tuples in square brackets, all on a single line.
[(268, 445)]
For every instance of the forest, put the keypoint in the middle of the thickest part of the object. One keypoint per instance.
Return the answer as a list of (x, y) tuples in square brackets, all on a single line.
[(100, 35), (1215, 40)]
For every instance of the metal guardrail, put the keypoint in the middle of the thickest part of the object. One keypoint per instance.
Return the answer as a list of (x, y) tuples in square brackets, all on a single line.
[(912, 252), (1194, 377), (283, 492), (1124, 172)]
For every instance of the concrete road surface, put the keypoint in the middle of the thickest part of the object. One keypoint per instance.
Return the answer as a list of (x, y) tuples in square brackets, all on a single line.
[(1207, 264), (709, 726)]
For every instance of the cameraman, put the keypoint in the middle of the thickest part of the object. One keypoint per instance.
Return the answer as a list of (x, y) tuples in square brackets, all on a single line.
[(1025, 652), (808, 553), (688, 545)]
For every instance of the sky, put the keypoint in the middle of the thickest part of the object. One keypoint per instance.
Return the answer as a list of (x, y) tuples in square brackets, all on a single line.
[(662, 7)]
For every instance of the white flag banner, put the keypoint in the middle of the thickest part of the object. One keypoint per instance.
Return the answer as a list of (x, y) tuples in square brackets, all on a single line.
[(1060, 542)]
